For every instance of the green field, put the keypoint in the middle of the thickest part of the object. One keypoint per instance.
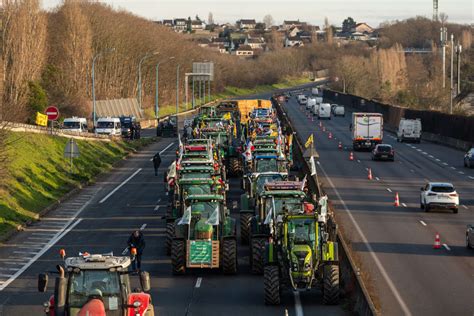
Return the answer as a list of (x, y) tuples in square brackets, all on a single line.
[(39, 174)]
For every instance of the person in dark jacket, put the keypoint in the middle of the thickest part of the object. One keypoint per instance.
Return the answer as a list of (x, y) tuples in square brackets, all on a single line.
[(136, 240), (156, 162)]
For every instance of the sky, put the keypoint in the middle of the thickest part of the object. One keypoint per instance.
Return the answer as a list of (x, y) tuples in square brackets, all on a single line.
[(312, 11)]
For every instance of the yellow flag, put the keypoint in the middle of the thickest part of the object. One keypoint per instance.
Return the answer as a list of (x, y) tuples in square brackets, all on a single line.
[(226, 116), (309, 141), (41, 119)]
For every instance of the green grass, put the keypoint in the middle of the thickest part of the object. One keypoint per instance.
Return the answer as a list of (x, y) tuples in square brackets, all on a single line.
[(231, 92), (39, 174)]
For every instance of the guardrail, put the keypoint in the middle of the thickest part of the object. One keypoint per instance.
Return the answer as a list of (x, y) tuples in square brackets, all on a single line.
[(352, 285)]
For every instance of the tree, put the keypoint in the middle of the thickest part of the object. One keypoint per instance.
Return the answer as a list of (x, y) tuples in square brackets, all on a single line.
[(268, 21), (348, 24), (443, 18), (210, 19), (37, 99)]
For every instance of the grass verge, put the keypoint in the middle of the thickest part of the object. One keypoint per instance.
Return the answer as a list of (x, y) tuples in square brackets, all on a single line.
[(39, 174)]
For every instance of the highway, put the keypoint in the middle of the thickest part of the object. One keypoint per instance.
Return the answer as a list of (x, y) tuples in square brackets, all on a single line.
[(100, 219), (394, 245)]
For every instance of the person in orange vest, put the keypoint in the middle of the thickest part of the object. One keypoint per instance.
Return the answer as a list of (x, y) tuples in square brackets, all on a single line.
[(137, 241)]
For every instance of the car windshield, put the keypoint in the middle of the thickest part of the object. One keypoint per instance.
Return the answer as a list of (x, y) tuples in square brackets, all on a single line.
[(289, 205), (105, 124), (94, 283), (189, 189), (203, 208), (71, 125), (301, 231), (262, 179), (266, 165), (384, 149), (442, 188)]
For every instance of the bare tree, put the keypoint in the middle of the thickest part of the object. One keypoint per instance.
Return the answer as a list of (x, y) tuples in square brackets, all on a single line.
[(268, 21), (443, 18), (210, 18)]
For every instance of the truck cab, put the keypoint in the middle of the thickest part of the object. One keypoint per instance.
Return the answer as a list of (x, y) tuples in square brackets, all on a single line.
[(109, 126), (75, 124)]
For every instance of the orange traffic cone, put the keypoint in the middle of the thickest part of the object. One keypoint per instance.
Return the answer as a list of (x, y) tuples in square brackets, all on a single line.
[(369, 176), (351, 156), (437, 243), (397, 200), (339, 145), (330, 135), (320, 124)]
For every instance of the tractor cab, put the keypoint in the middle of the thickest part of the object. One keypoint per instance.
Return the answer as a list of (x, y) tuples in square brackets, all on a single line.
[(167, 127), (96, 284), (269, 163)]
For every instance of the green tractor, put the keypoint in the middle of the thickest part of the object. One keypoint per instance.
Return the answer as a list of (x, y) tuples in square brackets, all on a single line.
[(301, 257), (278, 198), (205, 236)]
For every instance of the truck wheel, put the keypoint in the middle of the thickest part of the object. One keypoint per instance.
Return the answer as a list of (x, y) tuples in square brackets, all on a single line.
[(455, 210), (257, 249), (169, 237), (427, 208), (271, 282), (229, 256), (178, 256), (245, 219), (331, 284)]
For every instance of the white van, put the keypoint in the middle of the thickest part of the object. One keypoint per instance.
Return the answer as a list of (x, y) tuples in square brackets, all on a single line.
[(324, 111), (75, 124), (339, 110), (315, 91), (310, 104), (108, 126), (409, 129)]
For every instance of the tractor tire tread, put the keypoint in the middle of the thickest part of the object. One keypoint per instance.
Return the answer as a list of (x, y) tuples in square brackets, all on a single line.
[(271, 281)]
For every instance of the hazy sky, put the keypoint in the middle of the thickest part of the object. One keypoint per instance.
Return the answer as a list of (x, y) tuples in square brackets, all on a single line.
[(313, 11)]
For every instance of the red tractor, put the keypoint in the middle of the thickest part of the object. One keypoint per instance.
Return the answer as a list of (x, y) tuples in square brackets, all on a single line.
[(96, 284)]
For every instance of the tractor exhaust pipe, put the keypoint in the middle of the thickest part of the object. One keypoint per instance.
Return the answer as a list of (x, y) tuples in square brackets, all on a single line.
[(60, 293)]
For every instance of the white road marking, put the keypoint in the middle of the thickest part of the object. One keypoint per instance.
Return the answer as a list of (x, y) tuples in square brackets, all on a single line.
[(423, 223), (460, 172), (198, 283), (445, 164), (377, 178), (419, 150), (44, 234), (143, 227), (431, 156), (298, 307), (125, 251), (156, 208), (367, 169), (51, 243), (358, 160), (164, 150), (9, 269), (388, 189), (119, 186), (437, 159), (472, 178), (404, 205), (372, 253), (464, 206), (26, 252), (447, 247), (38, 238), (453, 168), (424, 153)]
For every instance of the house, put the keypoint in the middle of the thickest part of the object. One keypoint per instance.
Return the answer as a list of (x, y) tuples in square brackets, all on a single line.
[(180, 25), (255, 43), (224, 41), (197, 25), (245, 51), (168, 23), (218, 47), (289, 24), (293, 31), (363, 28), (293, 41), (304, 35), (358, 36), (246, 24)]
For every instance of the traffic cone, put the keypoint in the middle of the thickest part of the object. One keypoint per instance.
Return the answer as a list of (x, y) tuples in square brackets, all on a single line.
[(369, 176), (320, 124), (437, 243), (397, 200), (330, 135), (339, 145), (351, 156)]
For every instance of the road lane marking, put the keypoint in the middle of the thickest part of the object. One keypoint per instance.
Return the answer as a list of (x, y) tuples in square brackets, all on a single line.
[(464, 206), (25, 252), (431, 156), (445, 164), (372, 253), (358, 160), (388, 189), (447, 247), (437, 159), (119, 186), (51, 243), (404, 205), (38, 238), (377, 178), (156, 208), (151, 159), (423, 223), (198, 283), (424, 153), (472, 178), (460, 172), (143, 227), (298, 307), (453, 168)]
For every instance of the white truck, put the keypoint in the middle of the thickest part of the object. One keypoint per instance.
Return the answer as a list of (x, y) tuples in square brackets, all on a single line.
[(367, 130), (108, 126), (324, 111), (75, 124), (409, 129)]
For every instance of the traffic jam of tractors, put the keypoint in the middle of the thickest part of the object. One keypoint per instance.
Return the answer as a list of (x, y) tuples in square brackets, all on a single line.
[(290, 233)]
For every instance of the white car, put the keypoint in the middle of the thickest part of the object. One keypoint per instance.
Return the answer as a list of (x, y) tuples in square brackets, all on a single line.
[(439, 195)]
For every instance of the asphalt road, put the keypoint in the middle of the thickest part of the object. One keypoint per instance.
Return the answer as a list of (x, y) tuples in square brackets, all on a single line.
[(100, 218), (394, 245)]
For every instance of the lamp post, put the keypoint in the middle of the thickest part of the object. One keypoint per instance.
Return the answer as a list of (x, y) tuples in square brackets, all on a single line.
[(177, 95), (147, 55), (157, 85), (93, 81)]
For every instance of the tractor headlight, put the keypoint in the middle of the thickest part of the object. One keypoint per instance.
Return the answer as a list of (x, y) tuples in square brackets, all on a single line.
[(295, 267), (307, 267)]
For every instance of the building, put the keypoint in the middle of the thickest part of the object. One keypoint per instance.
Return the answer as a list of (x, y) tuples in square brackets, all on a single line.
[(244, 51), (295, 41), (289, 24), (180, 25), (255, 43), (363, 28), (246, 24), (168, 23), (197, 25)]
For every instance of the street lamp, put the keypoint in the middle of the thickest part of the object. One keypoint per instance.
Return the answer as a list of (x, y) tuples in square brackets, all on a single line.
[(177, 95), (93, 80), (156, 83), (147, 55)]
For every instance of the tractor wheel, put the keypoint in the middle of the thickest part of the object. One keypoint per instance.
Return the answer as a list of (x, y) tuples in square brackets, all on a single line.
[(229, 256), (257, 255), (271, 282), (169, 237), (178, 256), (331, 285), (234, 166), (245, 219)]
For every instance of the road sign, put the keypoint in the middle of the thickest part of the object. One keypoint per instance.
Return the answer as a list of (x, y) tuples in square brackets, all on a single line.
[(52, 112), (71, 150), (41, 119), (203, 68)]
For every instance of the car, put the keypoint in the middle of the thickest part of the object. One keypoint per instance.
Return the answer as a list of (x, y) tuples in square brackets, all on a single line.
[(470, 236), (303, 100), (469, 158), (383, 152), (439, 195)]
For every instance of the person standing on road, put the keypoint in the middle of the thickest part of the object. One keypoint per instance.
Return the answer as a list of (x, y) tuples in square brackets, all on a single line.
[(156, 162), (137, 241)]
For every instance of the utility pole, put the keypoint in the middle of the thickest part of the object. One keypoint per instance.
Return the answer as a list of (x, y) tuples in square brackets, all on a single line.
[(458, 52), (177, 96), (443, 47), (193, 95), (452, 74)]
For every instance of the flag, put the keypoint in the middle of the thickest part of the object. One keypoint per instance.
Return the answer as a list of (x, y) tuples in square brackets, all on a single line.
[(180, 146), (303, 183), (269, 216), (309, 141), (41, 119), (313, 166), (214, 218), (186, 219)]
